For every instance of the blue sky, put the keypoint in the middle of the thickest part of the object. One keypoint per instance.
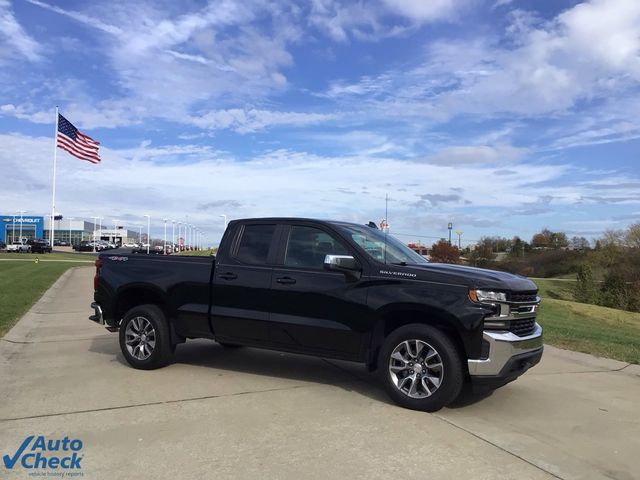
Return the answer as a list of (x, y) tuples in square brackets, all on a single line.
[(501, 116)]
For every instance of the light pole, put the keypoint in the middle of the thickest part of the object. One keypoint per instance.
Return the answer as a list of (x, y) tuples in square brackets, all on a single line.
[(115, 225), (70, 220), (148, 232), (459, 233), (100, 227), (95, 221), (225, 220), (21, 212), (164, 250), (190, 237), (173, 236), (186, 232), (178, 238)]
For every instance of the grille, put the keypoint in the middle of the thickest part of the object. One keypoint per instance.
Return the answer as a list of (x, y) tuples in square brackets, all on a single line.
[(523, 327), (523, 297)]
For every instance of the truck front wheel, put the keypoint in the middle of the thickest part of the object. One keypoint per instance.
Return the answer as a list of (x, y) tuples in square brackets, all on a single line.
[(144, 338), (421, 368)]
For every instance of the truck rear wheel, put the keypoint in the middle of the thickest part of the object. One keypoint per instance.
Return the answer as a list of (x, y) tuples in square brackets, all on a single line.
[(145, 341), (420, 368)]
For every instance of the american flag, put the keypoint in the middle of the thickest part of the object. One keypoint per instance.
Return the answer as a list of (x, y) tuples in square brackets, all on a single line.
[(75, 142)]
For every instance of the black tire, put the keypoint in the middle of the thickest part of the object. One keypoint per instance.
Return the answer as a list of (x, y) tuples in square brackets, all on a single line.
[(230, 345), (435, 387), (135, 322)]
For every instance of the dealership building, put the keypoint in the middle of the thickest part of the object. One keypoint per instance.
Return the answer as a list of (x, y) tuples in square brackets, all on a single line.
[(14, 227)]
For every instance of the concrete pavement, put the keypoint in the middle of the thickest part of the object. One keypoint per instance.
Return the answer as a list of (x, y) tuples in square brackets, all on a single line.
[(219, 413)]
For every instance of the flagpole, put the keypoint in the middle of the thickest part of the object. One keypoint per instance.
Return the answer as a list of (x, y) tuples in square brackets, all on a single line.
[(53, 199)]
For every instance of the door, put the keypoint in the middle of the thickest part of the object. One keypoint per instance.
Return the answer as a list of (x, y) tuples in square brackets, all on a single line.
[(314, 310), (241, 299)]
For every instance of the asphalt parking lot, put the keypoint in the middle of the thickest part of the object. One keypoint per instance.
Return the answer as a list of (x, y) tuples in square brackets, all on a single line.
[(219, 413)]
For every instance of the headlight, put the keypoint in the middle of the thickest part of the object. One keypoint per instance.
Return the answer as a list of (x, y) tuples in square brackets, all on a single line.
[(487, 296)]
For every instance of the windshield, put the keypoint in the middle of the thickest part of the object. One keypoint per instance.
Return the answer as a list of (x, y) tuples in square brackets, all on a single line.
[(382, 247)]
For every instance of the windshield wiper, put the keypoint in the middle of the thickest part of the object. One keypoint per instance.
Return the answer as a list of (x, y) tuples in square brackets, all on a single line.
[(404, 264)]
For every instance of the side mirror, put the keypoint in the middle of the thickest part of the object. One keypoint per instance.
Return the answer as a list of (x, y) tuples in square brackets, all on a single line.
[(341, 263)]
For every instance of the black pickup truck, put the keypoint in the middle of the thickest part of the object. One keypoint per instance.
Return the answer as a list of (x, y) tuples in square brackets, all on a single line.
[(332, 289)]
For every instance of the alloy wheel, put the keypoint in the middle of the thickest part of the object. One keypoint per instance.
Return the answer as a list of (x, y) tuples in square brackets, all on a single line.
[(140, 338), (416, 369)]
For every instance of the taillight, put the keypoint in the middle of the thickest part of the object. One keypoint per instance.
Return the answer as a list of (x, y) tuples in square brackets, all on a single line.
[(97, 275)]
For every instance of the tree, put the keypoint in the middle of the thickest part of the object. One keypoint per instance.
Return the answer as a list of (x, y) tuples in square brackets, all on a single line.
[(632, 236), (482, 254), (442, 252), (558, 240), (614, 292), (612, 238), (540, 240), (585, 289), (579, 243), (548, 239)]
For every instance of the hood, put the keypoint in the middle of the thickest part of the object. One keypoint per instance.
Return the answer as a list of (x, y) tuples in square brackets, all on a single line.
[(471, 277)]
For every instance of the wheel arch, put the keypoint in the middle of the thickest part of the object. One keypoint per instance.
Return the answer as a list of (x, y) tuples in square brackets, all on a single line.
[(144, 294), (139, 295), (393, 317)]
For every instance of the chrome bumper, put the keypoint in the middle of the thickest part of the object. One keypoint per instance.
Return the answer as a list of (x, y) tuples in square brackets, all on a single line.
[(503, 346), (97, 315)]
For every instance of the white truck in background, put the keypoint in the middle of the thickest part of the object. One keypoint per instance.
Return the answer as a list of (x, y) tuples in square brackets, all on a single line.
[(19, 246)]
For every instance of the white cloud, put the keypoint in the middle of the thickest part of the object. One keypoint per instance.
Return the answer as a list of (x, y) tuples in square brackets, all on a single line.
[(167, 65), (251, 120), (27, 112), (587, 53), (427, 11), (172, 180), (13, 38), (474, 155)]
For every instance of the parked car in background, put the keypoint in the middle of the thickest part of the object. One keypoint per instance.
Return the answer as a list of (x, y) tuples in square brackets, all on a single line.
[(139, 248), (19, 247), (87, 246), (60, 243), (40, 246)]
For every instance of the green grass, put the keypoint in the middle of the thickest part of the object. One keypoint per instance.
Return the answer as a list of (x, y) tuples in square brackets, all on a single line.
[(200, 253), (77, 257), (22, 284), (558, 289), (600, 331)]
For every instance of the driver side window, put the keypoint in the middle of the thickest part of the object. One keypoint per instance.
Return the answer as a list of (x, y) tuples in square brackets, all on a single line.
[(308, 246)]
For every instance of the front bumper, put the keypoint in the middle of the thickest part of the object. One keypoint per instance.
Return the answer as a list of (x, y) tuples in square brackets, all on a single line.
[(509, 357)]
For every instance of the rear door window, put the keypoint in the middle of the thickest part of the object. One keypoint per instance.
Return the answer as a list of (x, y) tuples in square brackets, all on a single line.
[(254, 244)]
